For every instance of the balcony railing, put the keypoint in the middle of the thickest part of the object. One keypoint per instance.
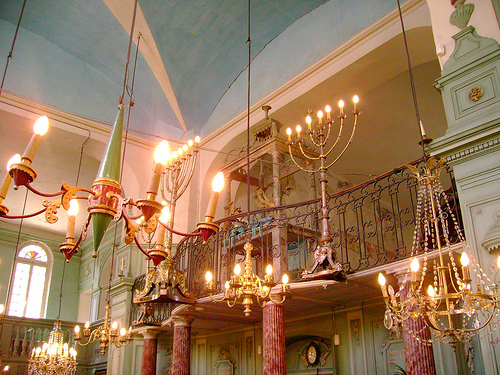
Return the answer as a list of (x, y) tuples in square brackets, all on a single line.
[(19, 336), (371, 224)]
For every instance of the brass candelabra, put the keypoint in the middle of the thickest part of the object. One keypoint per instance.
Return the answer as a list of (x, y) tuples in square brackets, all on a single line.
[(449, 304), (247, 287), (105, 334), (318, 132)]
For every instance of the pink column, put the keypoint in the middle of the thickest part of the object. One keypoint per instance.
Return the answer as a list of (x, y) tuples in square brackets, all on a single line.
[(274, 340), (419, 357), (149, 352), (181, 356)]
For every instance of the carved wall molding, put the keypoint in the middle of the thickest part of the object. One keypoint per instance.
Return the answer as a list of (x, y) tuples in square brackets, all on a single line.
[(478, 148)]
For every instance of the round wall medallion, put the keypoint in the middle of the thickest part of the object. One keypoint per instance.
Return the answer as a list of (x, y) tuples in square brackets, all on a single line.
[(475, 94)]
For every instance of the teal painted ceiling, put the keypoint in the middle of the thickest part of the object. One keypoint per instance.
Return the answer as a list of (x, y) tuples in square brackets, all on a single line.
[(71, 54)]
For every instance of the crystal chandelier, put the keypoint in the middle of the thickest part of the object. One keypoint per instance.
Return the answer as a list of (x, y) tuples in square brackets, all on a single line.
[(454, 303), (248, 286), (54, 356), (318, 133)]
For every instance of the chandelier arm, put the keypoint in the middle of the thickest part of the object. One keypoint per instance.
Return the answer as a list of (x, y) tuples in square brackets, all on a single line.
[(261, 303), (339, 135), (298, 166), (168, 180), (346, 146), (48, 195), (184, 162), (192, 163), (275, 301), (24, 216), (174, 180), (305, 155), (214, 299), (130, 217), (459, 280), (320, 143), (163, 184), (179, 233), (311, 137), (140, 247)]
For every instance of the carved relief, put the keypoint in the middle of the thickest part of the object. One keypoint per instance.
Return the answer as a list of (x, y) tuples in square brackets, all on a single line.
[(225, 364)]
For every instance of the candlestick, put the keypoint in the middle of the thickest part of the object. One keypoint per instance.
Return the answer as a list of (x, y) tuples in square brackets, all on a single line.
[(328, 109), (298, 129), (39, 128), (422, 130), (217, 185), (355, 100), (309, 123)]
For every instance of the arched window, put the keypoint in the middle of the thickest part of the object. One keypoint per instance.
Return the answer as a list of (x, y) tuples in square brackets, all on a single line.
[(29, 286)]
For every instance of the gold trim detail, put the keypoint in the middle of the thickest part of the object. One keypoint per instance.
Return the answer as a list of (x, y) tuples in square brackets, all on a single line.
[(108, 182), (475, 94)]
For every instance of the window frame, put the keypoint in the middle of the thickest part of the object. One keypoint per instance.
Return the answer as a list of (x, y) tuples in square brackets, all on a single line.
[(32, 262)]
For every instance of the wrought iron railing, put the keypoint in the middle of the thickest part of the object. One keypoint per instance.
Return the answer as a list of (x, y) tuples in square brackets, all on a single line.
[(371, 224)]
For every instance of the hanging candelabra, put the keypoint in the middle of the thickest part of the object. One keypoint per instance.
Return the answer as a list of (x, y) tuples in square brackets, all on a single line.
[(246, 288), (105, 202), (174, 180), (105, 334), (318, 132), (53, 357), (443, 293)]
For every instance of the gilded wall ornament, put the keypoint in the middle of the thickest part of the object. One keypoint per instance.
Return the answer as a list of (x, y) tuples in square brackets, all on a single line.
[(475, 94)]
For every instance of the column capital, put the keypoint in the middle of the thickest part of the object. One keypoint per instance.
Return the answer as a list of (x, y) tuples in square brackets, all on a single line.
[(182, 320), (149, 332)]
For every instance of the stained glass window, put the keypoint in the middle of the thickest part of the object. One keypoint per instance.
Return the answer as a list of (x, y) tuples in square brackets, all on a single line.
[(30, 283)]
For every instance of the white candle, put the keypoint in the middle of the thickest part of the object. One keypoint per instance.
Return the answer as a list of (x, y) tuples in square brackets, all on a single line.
[(422, 130)]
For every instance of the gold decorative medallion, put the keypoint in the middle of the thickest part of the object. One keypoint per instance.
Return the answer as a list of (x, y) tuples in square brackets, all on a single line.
[(475, 94)]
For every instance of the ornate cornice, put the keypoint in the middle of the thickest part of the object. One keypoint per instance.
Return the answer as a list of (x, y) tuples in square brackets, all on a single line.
[(486, 146)]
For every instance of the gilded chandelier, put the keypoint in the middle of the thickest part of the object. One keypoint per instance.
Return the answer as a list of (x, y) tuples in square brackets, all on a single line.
[(105, 334), (442, 294), (318, 134), (53, 358), (245, 288)]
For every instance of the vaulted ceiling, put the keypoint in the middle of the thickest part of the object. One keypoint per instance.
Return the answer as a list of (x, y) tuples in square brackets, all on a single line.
[(189, 77)]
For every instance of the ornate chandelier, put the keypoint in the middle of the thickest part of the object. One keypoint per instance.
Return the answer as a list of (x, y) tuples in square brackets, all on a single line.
[(248, 286), (325, 265), (54, 356), (454, 303), (105, 334)]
